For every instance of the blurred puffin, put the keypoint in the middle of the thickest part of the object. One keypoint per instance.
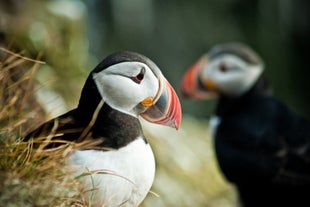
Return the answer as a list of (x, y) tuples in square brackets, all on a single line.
[(122, 87), (261, 145)]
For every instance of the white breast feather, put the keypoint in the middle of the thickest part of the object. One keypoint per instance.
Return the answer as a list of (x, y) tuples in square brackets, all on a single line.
[(214, 123), (133, 168)]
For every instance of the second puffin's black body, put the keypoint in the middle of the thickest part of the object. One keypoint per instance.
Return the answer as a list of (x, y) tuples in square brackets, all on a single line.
[(264, 149), (261, 145)]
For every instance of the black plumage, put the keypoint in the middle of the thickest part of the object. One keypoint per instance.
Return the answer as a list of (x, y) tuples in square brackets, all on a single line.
[(105, 130), (262, 146), (264, 149)]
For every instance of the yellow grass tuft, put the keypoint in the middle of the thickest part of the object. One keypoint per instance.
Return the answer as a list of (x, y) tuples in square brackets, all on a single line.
[(19, 110), (30, 176)]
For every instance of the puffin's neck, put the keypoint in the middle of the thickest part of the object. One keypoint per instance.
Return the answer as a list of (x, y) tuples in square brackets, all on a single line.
[(118, 129), (228, 104)]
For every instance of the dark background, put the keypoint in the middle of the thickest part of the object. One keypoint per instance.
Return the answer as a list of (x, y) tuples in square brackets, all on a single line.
[(173, 33)]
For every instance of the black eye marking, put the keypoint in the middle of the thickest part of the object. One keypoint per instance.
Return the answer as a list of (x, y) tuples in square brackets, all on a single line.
[(223, 67), (138, 78)]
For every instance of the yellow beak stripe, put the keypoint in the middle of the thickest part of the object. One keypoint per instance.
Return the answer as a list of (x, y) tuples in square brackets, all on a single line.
[(147, 102), (210, 85)]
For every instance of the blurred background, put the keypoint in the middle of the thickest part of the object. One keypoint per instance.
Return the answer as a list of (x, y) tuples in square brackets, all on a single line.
[(75, 35)]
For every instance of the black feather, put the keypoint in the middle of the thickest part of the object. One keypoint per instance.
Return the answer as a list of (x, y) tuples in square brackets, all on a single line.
[(264, 149)]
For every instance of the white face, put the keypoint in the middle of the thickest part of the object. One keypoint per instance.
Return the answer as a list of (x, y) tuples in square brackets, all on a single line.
[(123, 86), (231, 75)]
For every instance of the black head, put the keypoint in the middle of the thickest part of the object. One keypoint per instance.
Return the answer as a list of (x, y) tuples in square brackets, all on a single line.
[(90, 96), (131, 83), (238, 49), (227, 70), (125, 56)]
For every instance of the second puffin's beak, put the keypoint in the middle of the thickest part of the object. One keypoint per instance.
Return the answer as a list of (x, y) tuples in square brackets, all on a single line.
[(192, 86), (166, 108)]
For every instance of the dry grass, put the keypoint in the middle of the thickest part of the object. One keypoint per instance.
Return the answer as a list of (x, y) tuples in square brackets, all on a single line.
[(19, 109), (29, 176)]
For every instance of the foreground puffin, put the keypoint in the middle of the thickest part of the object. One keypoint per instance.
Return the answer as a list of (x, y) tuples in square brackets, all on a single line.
[(122, 87), (261, 145)]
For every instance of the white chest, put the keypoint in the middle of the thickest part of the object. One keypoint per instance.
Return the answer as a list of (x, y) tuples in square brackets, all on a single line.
[(215, 121), (131, 174)]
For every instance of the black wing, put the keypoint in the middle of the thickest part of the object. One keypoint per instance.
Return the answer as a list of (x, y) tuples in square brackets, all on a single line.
[(266, 141), (60, 130)]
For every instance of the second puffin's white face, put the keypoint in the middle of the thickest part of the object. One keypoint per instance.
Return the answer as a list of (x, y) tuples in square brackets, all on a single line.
[(124, 85), (231, 75)]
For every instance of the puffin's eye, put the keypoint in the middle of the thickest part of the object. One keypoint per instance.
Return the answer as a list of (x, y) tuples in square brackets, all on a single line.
[(138, 78), (223, 67)]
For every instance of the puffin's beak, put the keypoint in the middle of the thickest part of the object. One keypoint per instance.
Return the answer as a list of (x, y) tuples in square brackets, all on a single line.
[(192, 87), (166, 108)]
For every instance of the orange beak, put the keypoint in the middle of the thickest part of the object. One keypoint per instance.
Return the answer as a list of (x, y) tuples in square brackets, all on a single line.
[(166, 109), (192, 87)]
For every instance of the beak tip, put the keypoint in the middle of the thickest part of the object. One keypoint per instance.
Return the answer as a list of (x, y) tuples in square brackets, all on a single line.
[(177, 126), (178, 120), (176, 123)]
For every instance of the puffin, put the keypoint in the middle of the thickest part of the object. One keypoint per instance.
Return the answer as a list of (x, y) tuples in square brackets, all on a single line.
[(120, 89), (261, 145)]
